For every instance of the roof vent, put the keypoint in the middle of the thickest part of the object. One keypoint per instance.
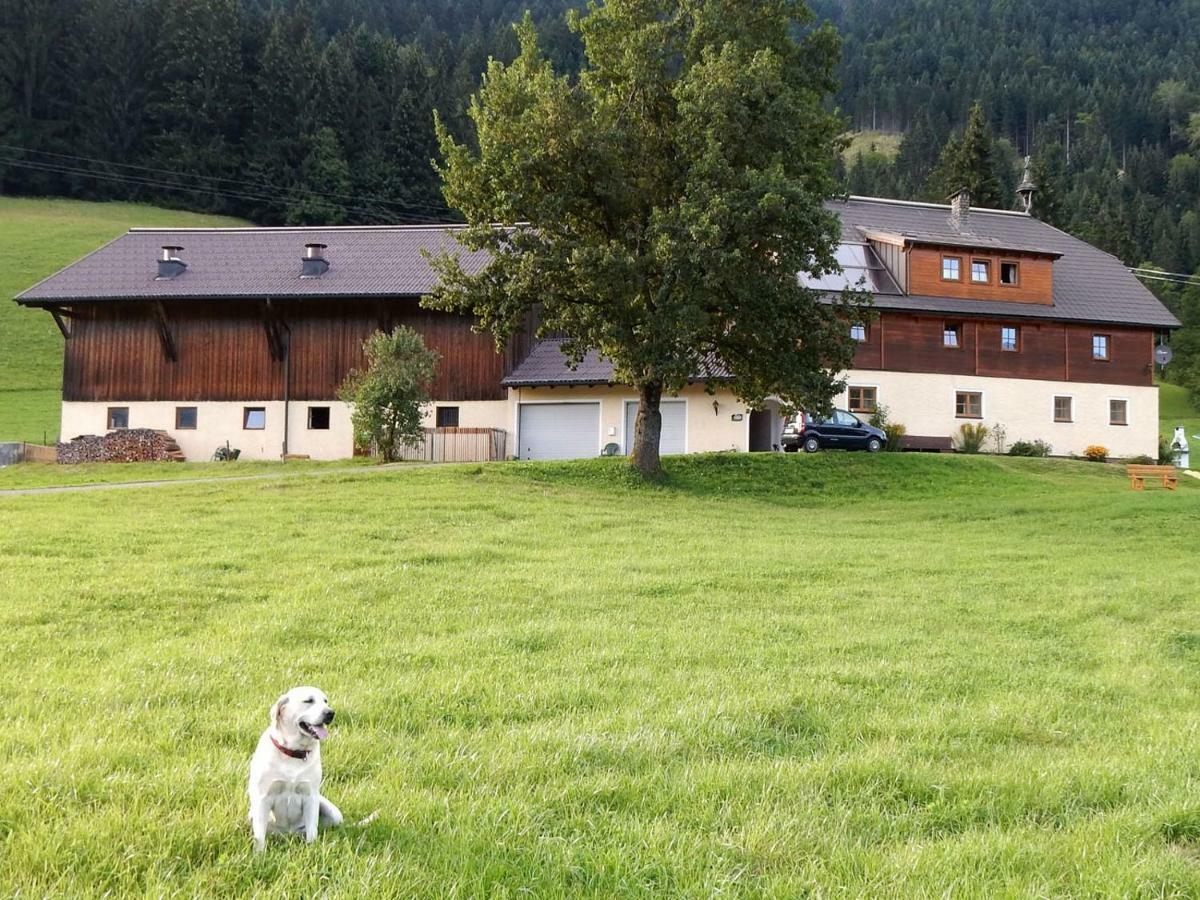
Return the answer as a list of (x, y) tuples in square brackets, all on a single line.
[(313, 264), (169, 264), (960, 209), (1026, 189)]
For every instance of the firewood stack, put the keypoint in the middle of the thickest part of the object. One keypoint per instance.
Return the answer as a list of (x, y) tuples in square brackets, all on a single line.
[(125, 445)]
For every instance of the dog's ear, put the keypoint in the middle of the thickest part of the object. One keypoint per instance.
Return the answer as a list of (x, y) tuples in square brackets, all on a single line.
[(277, 711)]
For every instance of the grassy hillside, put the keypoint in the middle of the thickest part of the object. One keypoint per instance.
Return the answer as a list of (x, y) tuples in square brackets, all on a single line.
[(37, 238), (1174, 408), (884, 142), (831, 674)]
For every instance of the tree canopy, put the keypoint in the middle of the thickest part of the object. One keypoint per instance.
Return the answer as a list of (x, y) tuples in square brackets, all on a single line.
[(659, 207)]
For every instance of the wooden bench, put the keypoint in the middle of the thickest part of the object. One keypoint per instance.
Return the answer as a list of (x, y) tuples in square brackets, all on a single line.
[(920, 443), (1139, 474)]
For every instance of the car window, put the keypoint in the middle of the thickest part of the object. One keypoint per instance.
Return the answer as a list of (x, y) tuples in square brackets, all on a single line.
[(844, 418)]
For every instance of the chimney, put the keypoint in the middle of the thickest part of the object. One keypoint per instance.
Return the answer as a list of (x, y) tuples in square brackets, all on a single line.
[(960, 209), (1026, 189), (169, 264), (313, 264)]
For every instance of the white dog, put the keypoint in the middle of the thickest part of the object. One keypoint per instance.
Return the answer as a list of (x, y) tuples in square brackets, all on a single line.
[(285, 771)]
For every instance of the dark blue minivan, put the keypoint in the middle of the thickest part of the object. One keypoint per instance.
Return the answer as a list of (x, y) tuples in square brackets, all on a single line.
[(840, 430)]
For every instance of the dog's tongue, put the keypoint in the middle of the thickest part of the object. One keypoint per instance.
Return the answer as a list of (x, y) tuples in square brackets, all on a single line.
[(320, 731)]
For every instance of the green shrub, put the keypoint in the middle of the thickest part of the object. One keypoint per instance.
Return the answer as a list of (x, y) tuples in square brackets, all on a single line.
[(1095, 453), (1029, 448), (971, 437), (999, 438), (1142, 460), (1165, 456), (894, 430)]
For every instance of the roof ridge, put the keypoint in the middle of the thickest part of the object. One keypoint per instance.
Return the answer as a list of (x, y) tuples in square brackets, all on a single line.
[(291, 229), (890, 201)]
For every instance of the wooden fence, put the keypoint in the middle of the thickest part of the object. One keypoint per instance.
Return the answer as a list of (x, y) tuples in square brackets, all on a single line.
[(20, 451), (459, 445)]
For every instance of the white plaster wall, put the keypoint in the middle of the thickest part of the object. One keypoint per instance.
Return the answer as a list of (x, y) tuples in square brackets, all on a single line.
[(218, 422), (924, 404), (474, 413), (707, 431)]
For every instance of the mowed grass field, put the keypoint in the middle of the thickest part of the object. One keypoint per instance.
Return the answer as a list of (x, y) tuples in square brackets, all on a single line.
[(1175, 408), (37, 238), (894, 675)]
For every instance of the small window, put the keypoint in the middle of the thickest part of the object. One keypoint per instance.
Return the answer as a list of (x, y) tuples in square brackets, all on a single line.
[(254, 418), (118, 417), (844, 419), (1064, 409), (858, 332), (862, 399), (968, 405), (185, 418), (1100, 346), (981, 271), (318, 418), (951, 268), (1118, 412), (447, 417), (1010, 338), (952, 335), (1010, 273)]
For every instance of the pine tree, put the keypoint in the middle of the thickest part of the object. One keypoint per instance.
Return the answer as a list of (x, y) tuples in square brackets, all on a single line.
[(1049, 171), (969, 161), (324, 176)]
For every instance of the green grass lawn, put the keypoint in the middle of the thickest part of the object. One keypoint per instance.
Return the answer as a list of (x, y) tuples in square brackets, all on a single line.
[(37, 238), (832, 674), (37, 475)]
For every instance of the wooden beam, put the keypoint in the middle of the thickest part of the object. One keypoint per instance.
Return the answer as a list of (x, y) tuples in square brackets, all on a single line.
[(164, 331), (383, 314), (60, 321), (274, 327)]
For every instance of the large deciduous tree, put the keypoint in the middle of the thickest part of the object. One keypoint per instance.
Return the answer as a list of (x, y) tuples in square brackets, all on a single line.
[(658, 207)]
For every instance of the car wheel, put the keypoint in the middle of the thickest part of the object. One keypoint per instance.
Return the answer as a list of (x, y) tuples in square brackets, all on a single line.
[(811, 445), (874, 445)]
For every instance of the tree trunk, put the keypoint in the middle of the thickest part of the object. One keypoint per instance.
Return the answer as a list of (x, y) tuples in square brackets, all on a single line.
[(647, 431)]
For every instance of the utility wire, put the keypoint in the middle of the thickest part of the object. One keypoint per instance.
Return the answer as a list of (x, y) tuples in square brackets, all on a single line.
[(1162, 274), (1170, 281), (1158, 273), (257, 185), (381, 216)]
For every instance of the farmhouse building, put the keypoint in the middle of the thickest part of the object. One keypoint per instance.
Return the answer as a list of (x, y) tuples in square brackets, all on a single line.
[(242, 335)]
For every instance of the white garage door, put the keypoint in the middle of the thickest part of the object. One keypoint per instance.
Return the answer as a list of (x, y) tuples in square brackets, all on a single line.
[(559, 430), (674, 426)]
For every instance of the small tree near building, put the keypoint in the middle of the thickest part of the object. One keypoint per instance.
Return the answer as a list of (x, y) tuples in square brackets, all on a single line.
[(659, 207), (389, 396)]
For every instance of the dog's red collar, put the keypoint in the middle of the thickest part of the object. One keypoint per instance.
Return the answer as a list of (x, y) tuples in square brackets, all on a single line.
[(288, 751)]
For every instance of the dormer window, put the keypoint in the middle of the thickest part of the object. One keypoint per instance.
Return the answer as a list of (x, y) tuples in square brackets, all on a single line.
[(951, 268), (981, 271), (1010, 273)]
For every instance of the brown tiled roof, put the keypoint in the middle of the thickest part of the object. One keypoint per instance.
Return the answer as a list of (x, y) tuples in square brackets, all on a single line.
[(547, 366), (1089, 284), (255, 262)]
